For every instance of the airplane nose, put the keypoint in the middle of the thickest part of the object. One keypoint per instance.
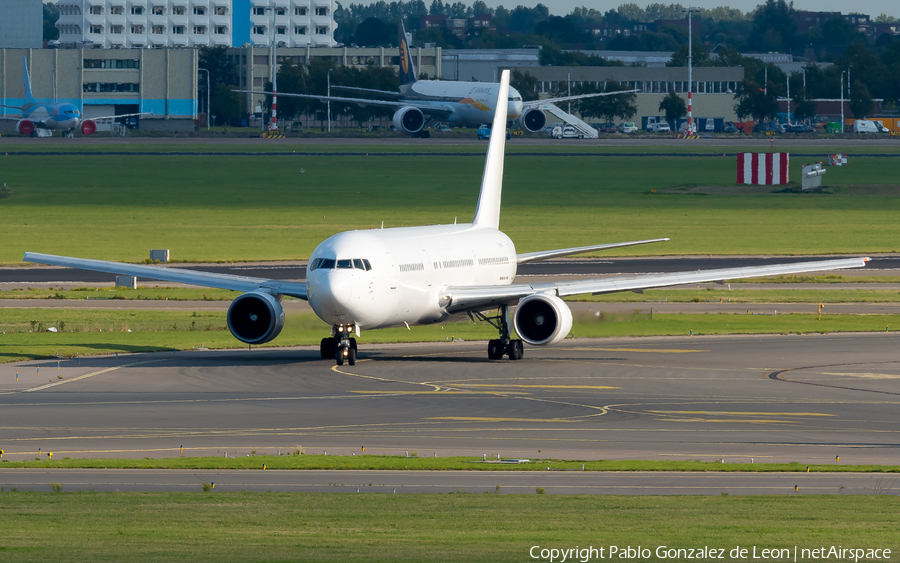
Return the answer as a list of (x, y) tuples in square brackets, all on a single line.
[(514, 110), (339, 288)]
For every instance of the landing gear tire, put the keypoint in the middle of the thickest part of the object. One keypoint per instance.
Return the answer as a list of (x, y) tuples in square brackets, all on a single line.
[(495, 350), (339, 357), (351, 356), (326, 348), (515, 350)]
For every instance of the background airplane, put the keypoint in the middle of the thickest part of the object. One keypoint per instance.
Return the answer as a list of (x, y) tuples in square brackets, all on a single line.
[(53, 116), (424, 275), (420, 103)]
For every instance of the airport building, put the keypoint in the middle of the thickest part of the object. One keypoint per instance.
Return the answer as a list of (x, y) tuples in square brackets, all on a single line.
[(713, 87), (101, 82), (127, 24), (188, 23), (21, 24)]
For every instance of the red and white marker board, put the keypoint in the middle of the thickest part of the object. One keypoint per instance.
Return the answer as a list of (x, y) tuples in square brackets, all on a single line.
[(762, 169)]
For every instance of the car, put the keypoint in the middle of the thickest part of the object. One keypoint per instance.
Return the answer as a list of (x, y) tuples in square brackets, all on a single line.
[(730, 127), (565, 132), (659, 127), (801, 128), (442, 128), (628, 127), (606, 127)]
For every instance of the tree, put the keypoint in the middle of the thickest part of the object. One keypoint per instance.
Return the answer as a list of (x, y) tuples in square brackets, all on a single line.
[(699, 54), (673, 106), (754, 102), (774, 27), (525, 83), (373, 32), (861, 103), (221, 70), (227, 105), (607, 108), (51, 15), (803, 108)]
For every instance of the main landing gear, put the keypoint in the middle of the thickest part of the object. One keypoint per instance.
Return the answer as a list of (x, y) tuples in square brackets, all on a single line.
[(502, 346), (339, 345)]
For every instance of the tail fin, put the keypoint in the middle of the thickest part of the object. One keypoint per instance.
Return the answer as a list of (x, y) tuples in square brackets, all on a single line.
[(407, 68), (29, 98), (488, 212)]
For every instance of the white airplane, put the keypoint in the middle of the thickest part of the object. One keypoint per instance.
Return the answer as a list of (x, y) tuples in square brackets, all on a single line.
[(425, 102), (424, 275), (51, 115)]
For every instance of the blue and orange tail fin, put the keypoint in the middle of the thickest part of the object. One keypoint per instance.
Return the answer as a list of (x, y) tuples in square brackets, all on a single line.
[(407, 68)]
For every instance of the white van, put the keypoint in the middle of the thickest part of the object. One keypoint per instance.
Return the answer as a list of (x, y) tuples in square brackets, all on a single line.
[(866, 126)]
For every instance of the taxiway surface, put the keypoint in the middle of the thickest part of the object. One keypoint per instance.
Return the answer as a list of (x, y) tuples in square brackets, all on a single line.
[(770, 398)]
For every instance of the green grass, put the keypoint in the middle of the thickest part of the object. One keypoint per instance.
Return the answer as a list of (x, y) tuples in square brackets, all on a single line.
[(87, 332), (263, 208), (227, 526), (755, 296), (364, 462)]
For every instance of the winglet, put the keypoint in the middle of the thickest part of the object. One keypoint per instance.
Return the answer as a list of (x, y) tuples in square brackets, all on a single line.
[(407, 68), (488, 212), (29, 98)]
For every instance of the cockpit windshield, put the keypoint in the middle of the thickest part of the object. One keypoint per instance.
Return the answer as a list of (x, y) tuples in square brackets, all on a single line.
[(342, 264)]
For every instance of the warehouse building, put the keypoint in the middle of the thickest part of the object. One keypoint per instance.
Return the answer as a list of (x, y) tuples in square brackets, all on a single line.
[(101, 82)]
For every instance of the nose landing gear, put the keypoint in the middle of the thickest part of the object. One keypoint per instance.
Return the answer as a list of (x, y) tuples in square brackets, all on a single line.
[(503, 346), (339, 346)]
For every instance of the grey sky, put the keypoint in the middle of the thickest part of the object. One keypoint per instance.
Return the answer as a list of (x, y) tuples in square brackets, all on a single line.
[(562, 7)]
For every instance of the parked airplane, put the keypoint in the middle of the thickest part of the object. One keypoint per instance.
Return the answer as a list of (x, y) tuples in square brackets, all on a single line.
[(52, 116), (424, 275), (424, 102)]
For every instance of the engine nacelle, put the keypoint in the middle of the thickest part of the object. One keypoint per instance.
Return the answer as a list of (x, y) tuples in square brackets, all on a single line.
[(255, 317), (532, 120), (25, 127), (542, 320), (409, 119), (88, 127)]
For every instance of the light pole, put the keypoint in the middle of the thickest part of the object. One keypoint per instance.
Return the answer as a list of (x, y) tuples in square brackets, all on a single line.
[(274, 125), (207, 95), (842, 100), (329, 99), (789, 99), (690, 10)]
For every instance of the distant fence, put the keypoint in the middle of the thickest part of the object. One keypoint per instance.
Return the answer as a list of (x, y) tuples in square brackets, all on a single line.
[(763, 168)]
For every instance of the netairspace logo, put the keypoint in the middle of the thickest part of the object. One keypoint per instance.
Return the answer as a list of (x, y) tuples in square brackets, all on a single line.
[(663, 552)]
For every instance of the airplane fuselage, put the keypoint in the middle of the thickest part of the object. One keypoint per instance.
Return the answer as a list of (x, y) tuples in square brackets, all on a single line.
[(53, 116), (472, 102), (409, 269)]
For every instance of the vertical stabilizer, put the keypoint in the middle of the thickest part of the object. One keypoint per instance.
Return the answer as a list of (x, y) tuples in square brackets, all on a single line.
[(29, 98), (407, 68), (488, 212)]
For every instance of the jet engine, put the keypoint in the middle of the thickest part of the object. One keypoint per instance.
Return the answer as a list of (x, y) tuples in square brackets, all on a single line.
[(25, 127), (532, 120), (255, 317), (409, 119), (88, 127), (542, 320)]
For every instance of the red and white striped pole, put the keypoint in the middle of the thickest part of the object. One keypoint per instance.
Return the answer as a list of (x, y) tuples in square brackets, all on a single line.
[(690, 120)]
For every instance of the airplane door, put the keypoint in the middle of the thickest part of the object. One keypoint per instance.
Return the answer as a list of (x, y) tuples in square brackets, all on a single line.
[(392, 272)]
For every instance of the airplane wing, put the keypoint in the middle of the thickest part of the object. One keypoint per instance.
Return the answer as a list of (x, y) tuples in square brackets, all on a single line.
[(485, 297), (384, 93), (102, 117), (177, 275), (547, 254), (535, 103), (434, 110)]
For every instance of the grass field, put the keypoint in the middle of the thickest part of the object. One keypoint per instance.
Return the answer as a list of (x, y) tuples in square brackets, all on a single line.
[(87, 332), (264, 208), (294, 461), (217, 526)]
